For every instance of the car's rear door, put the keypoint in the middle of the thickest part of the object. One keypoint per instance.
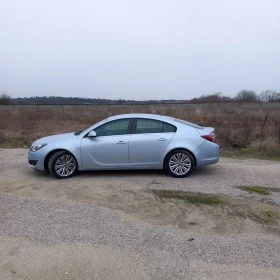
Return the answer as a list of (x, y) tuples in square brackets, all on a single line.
[(149, 140)]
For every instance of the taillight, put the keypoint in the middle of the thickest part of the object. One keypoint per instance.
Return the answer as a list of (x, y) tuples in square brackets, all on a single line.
[(210, 137)]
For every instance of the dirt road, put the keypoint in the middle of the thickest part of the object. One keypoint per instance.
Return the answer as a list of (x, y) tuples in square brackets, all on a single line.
[(111, 225)]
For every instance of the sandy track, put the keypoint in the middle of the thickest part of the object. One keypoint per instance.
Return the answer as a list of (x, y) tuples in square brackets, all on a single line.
[(108, 225)]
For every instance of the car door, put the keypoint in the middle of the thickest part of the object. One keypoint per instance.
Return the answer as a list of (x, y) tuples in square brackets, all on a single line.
[(109, 149), (149, 141)]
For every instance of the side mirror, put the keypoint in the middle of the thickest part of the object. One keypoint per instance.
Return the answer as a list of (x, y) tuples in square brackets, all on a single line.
[(92, 134)]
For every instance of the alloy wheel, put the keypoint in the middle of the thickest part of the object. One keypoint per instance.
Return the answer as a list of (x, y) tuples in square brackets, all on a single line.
[(180, 164), (65, 165)]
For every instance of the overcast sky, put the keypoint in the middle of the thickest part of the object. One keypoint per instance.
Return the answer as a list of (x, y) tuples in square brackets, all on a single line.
[(138, 49)]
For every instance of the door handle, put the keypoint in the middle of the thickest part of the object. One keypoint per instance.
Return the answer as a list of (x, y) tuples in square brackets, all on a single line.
[(121, 142), (162, 139)]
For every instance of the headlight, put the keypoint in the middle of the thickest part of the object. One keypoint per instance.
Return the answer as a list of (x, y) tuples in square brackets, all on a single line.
[(35, 148)]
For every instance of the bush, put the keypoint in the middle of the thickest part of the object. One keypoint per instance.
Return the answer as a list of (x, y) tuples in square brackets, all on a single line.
[(5, 99)]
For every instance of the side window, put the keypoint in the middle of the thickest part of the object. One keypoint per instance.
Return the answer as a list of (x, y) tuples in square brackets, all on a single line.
[(153, 126), (169, 128), (118, 127)]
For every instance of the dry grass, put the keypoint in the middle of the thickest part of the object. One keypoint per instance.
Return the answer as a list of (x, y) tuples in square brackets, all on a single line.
[(192, 198), (251, 133), (224, 207), (21, 129), (258, 190)]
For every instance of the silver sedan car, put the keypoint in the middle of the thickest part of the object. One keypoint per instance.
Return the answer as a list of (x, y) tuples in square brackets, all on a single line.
[(129, 141)]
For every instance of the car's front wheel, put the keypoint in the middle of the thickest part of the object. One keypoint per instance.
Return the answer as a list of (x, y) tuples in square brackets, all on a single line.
[(62, 165), (179, 163)]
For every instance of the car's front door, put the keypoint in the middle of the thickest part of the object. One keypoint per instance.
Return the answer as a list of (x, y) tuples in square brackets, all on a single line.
[(109, 149), (149, 141)]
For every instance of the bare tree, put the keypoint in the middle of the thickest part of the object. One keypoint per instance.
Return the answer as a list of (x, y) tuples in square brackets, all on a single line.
[(269, 95), (246, 95), (5, 99), (212, 98)]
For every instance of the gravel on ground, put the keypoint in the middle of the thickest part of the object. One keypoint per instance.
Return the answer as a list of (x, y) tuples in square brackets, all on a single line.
[(109, 225)]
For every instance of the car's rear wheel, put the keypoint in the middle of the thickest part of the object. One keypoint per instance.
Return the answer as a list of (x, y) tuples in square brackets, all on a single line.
[(62, 165), (179, 163)]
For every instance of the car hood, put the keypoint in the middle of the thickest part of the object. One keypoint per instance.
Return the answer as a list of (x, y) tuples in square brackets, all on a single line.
[(57, 138)]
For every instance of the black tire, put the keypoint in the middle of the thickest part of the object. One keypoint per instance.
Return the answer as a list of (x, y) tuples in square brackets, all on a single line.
[(179, 163), (62, 165)]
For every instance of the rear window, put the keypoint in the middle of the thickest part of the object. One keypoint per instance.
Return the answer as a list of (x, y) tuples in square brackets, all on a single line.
[(189, 123)]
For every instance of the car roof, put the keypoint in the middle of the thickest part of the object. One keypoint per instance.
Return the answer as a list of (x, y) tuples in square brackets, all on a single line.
[(138, 115)]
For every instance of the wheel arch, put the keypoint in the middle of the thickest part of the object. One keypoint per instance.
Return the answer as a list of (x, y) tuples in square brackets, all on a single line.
[(175, 149), (48, 156)]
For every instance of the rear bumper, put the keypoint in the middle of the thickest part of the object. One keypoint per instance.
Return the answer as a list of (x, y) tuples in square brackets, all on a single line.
[(207, 153)]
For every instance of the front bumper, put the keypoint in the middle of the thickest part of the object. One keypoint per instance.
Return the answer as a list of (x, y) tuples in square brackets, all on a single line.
[(36, 159)]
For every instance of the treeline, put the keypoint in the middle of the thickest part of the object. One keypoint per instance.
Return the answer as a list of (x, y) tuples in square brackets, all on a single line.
[(242, 96), (58, 100), (79, 100)]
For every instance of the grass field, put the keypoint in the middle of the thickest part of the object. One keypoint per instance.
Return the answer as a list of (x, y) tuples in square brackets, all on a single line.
[(247, 134)]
